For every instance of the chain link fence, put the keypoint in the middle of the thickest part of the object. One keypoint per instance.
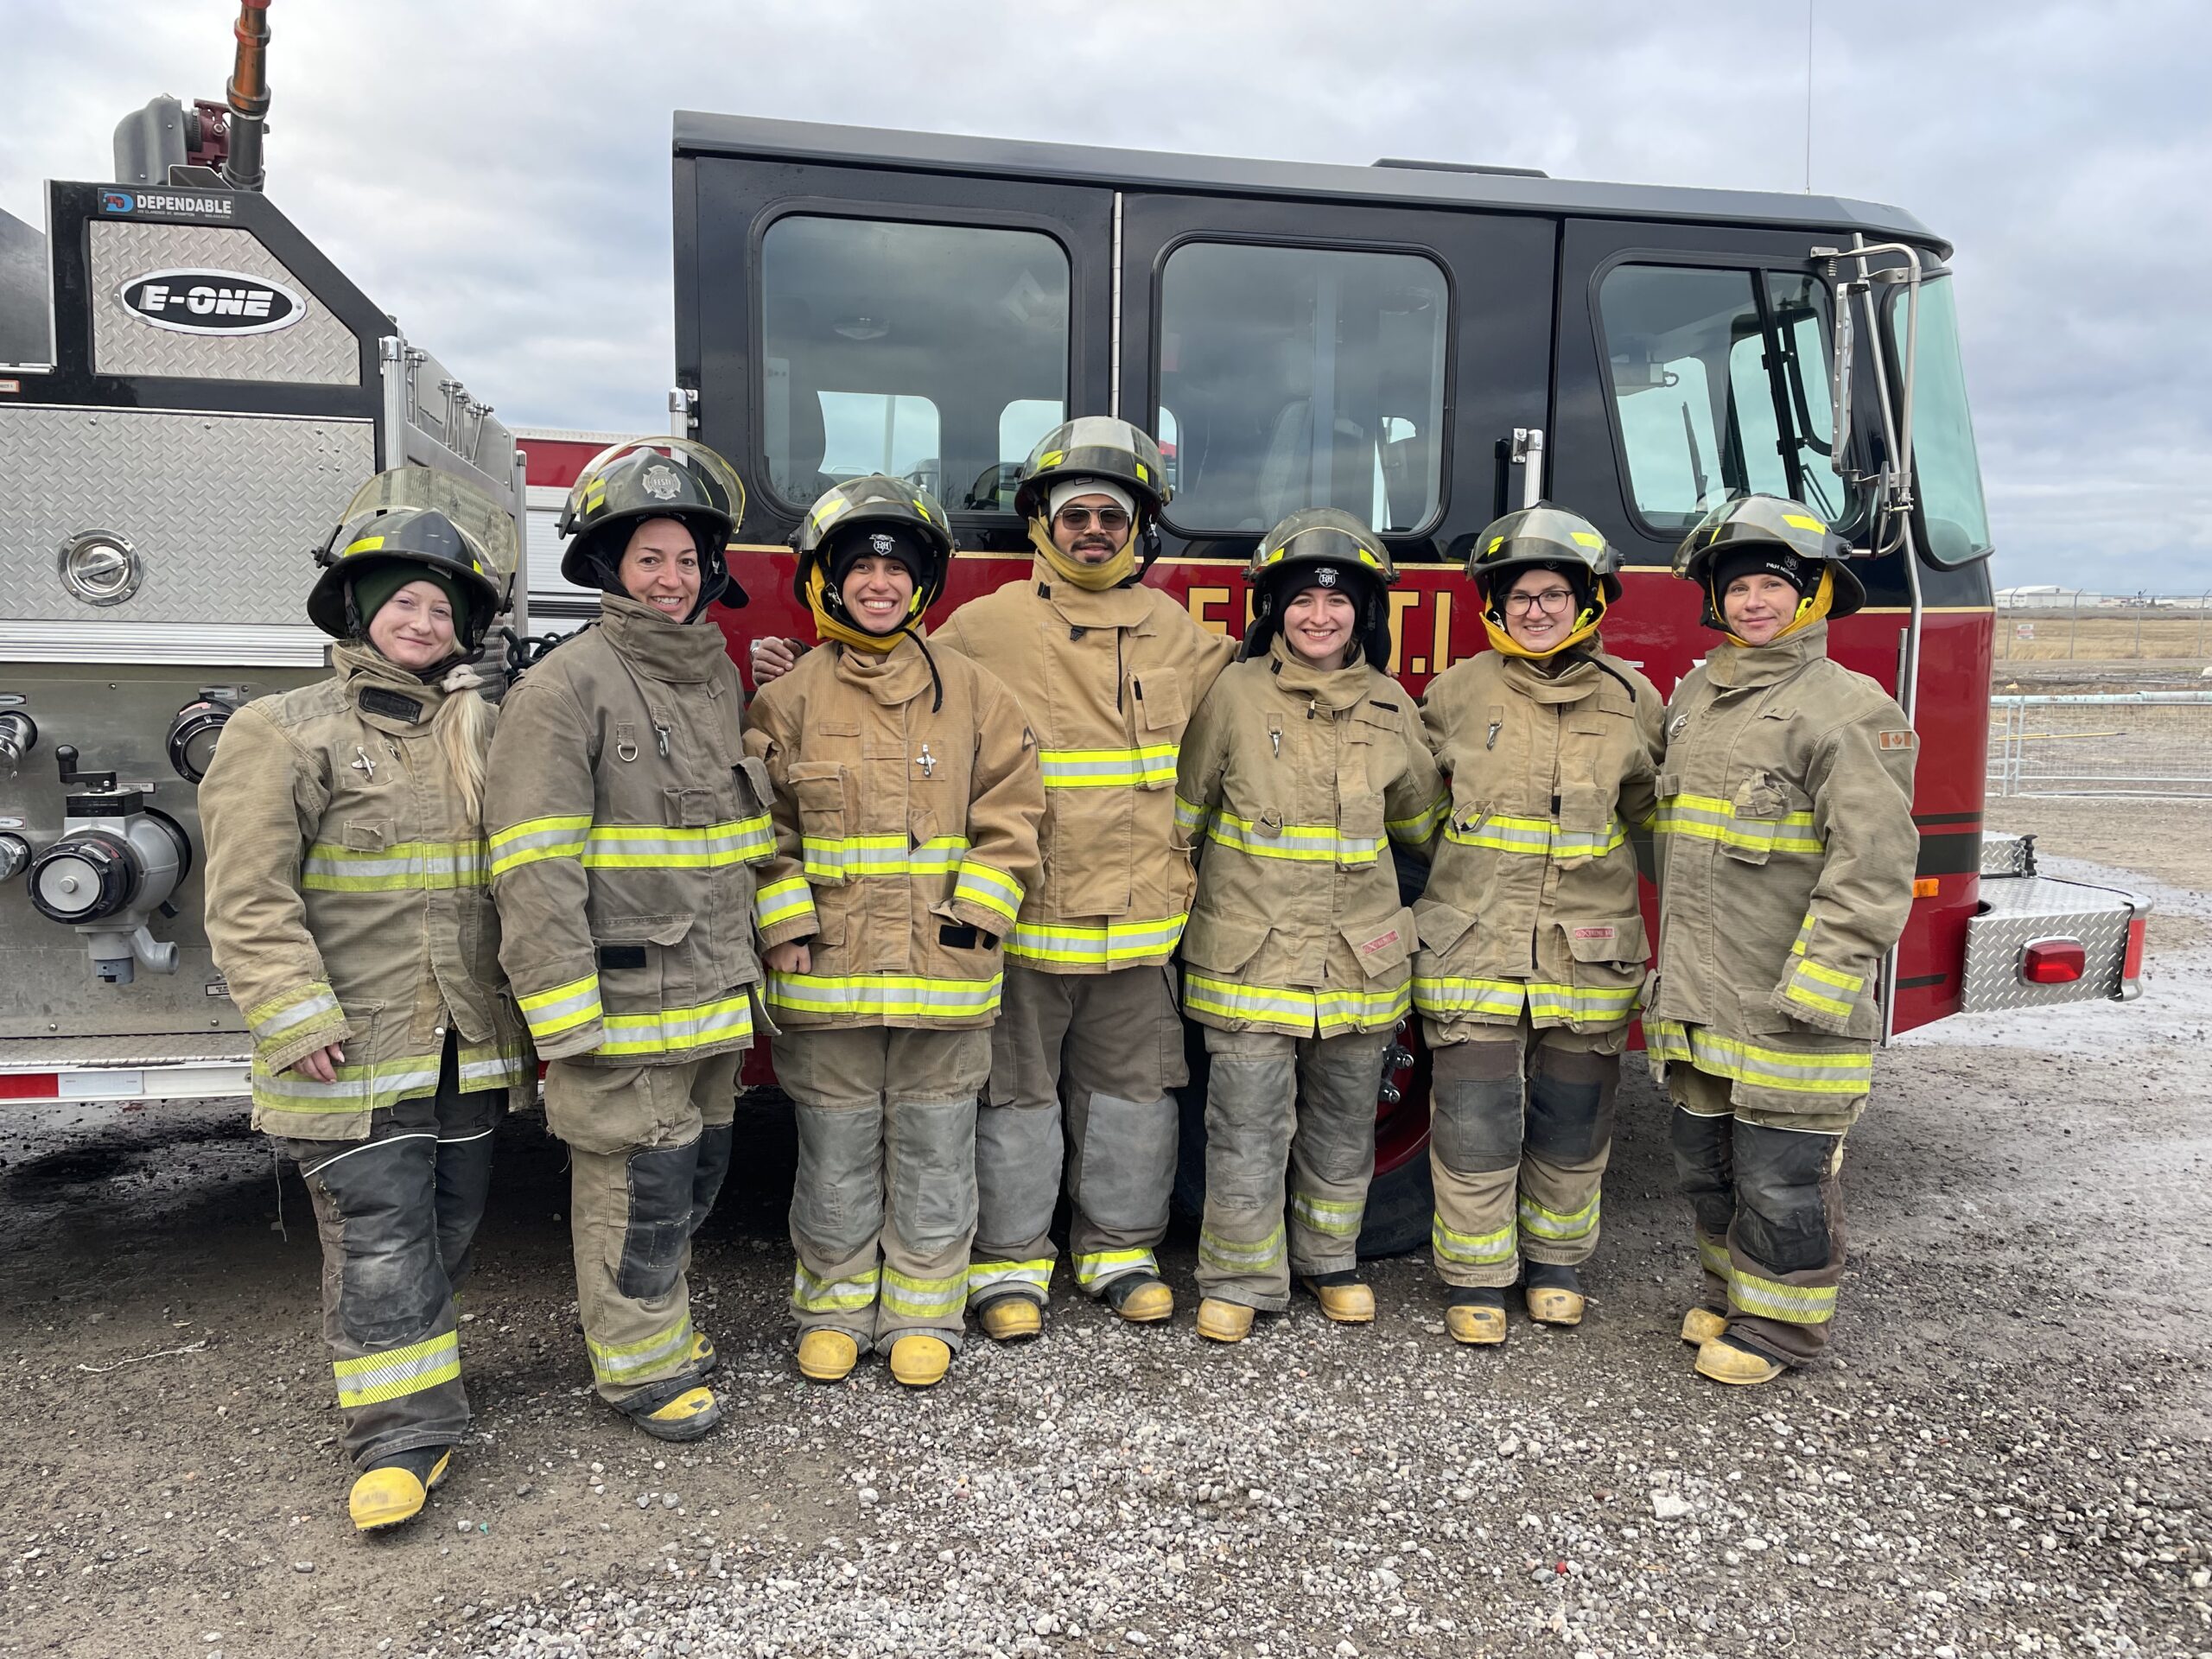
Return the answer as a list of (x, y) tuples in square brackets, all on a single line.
[(2145, 744), (2083, 627)]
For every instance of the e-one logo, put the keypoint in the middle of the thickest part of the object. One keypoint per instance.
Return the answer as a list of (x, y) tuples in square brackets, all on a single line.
[(211, 301)]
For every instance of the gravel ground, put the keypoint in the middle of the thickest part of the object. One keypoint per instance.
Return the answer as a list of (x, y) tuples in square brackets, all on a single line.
[(2007, 1455)]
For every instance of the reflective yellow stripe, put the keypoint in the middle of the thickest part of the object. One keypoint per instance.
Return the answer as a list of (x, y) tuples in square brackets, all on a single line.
[(1553, 1227), (424, 865), (989, 1275), (834, 858), (660, 846), (1091, 1271), (1106, 768), (1116, 943), (1804, 938), (1444, 995), (1770, 1298), (1237, 1255), (676, 1030), (1830, 976), (994, 890), (812, 1294), (1536, 837), (1794, 990), (1190, 816), (782, 901), (1706, 817), (1420, 827), (1472, 1250), (621, 1363), (1317, 844), (1299, 1012), (1834, 1072), (1712, 1255), (924, 1298), (563, 1009), (397, 1372), (535, 838), (885, 995), (1337, 1217), (363, 1088), (272, 1019)]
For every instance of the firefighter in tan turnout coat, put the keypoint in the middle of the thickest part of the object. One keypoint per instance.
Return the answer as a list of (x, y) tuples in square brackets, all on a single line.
[(1304, 762), (624, 817), (1786, 851), (907, 798), (1532, 946), (347, 909)]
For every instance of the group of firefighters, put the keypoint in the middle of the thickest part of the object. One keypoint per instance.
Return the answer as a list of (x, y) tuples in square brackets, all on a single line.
[(953, 872)]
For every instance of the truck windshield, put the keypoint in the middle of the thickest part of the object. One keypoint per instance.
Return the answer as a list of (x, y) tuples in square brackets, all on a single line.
[(1719, 388), (935, 352), (1952, 508), (1294, 377)]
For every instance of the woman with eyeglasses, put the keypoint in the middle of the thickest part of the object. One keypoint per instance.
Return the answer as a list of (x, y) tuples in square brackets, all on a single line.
[(1532, 946)]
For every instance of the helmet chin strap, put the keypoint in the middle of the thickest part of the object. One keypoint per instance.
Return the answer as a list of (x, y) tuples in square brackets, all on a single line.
[(1091, 578), (1814, 607), (1586, 623)]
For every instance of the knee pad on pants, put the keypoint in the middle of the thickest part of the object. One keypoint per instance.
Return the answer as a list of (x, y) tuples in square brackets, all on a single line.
[(837, 1202), (1476, 1125), (1782, 1218), (660, 1183), (1702, 1165), (713, 1168), (934, 1175), (1249, 1118), (1018, 1157), (1129, 1162), (390, 1283), (1571, 1103)]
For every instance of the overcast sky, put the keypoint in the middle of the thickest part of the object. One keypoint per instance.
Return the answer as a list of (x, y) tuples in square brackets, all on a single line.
[(496, 174)]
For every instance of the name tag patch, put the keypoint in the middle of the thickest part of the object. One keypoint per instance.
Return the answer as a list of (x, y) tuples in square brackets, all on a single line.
[(1380, 942), (1597, 932)]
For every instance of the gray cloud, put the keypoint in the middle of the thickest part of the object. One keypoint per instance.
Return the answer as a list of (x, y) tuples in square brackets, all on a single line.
[(497, 173)]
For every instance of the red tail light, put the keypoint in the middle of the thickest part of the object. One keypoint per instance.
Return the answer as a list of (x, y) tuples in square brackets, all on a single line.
[(2053, 962), (2131, 967)]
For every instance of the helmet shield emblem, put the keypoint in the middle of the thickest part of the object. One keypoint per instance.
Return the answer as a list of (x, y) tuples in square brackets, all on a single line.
[(661, 483)]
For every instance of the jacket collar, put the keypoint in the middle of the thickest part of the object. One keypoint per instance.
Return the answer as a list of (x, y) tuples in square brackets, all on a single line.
[(899, 675), (1117, 607), (389, 698), (1739, 668), (676, 653), (1577, 680), (1334, 688)]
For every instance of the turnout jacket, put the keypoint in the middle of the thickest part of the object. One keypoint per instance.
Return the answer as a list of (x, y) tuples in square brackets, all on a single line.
[(905, 835), (1532, 892), (1297, 779), (625, 818), (347, 900), (1786, 850), (1108, 683)]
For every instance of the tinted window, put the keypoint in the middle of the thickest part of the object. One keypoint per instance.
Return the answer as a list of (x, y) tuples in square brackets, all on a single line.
[(1300, 378), (927, 351)]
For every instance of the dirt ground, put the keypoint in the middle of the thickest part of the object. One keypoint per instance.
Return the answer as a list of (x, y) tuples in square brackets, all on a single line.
[(2008, 1453)]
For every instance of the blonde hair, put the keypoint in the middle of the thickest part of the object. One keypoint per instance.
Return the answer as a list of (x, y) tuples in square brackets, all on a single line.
[(463, 729)]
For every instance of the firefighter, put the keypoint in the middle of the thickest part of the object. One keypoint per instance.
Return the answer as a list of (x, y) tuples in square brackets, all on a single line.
[(1786, 849), (349, 916), (624, 817), (1532, 946), (907, 797), (1304, 762)]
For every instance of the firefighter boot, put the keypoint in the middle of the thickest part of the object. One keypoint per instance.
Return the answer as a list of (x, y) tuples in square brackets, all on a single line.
[(827, 1356), (1343, 1299), (703, 1357), (1220, 1321), (1010, 1317), (395, 1490), (1477, 1317), (1701, 1325), (691, 1415), (1730, 1362), (1554, 1294), (1140, 1298), (919, 1360)]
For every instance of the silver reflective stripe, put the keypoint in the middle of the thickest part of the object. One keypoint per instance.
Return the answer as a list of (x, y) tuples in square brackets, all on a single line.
[(1235, 1255), (311, 1008)]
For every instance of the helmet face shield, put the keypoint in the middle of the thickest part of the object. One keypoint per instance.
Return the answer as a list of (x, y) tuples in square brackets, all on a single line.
[(1095, 446), (419, 515), (1770, 521), (642, 478), (884, 503), (1322, 546)]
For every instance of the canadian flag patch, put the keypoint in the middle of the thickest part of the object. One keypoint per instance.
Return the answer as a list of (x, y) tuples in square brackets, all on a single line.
[(1380, 942), (1897, 740)]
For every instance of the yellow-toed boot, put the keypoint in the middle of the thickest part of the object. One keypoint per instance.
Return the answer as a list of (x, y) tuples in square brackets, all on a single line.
[(1701, 1325), (917, 1360), (1220, 1321), (827, 1356), (1140, 1297), (1553, 1295), (1343, 1297), (703, 1357), (1727, 1361), (395, 1490), (690, 1416), (1010, 1319), (1477, 1318)]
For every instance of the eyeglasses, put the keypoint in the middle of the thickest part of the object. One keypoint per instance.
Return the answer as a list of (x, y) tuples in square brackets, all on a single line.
[(1553, 599), (1112, 520)]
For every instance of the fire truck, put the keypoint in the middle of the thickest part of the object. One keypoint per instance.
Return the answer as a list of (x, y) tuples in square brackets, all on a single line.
[(1426, 346)]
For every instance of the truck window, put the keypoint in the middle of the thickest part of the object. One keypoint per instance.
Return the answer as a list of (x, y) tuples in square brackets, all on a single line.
[(926, 351), (1719, 388), (1302, 377), (1951, 503)]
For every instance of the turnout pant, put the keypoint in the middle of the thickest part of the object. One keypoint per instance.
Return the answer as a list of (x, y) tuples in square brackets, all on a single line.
[(648, 1148), (1522, 1127), (1769, 1207), (884, 1207), (1274, 1100), (1110, 1047), (398, 1216)]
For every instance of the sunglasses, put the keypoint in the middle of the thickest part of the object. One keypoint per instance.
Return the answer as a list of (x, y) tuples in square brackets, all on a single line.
[(1110, 519)]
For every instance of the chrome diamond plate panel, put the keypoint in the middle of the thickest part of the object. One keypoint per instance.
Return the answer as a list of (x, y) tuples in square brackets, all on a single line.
[(223, 508), (318, 349), (2022, 909)]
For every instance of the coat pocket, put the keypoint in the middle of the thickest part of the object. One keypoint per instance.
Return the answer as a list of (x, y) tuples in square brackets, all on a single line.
[(365, 834), (1222, 944), (1382, 946), (822, 789), (1617, 943), (1440, 926), (644, 959), (1359, 831), (1759, 804)]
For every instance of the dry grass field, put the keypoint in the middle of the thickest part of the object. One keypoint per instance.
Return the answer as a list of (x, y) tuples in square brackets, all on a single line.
[(2104, 635)]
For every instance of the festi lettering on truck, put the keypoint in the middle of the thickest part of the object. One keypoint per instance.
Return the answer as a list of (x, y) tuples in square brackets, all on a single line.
[(1425, 346), (192, 394)]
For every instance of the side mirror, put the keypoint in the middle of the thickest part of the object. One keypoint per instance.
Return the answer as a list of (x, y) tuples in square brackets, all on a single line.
[(1852, 278)]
